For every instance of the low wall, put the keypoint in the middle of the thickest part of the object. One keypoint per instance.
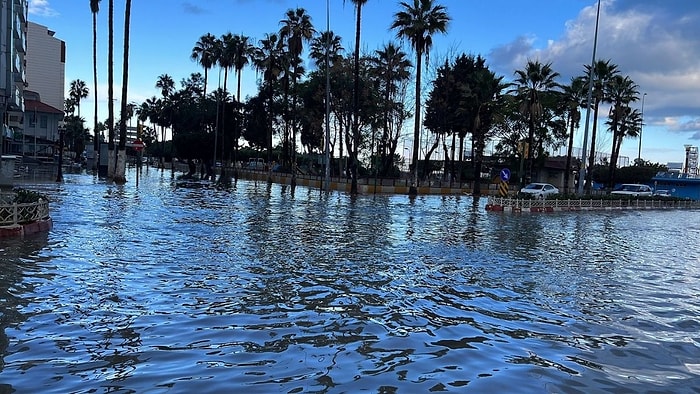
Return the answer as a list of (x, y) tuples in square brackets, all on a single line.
[(18, 220)]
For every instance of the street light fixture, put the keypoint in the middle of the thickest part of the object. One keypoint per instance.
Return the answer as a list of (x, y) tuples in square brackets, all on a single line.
[(641, 127)]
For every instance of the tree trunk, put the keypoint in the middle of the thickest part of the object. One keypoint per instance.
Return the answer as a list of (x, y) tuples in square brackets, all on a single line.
[(591, 159), (96, 142)]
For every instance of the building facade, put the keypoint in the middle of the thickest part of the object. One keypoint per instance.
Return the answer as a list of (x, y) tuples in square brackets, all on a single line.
[(13, 47), (46, 65)]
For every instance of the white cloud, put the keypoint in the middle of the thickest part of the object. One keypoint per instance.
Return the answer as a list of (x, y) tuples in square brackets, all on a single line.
[(41, 8), (654, 43)]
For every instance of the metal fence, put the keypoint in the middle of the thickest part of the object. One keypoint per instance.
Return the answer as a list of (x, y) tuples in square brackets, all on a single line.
[(12, 213), (526, 204)]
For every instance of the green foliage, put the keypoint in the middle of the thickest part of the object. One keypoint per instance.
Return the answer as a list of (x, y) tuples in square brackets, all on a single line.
[(630, 174), (25, 196)]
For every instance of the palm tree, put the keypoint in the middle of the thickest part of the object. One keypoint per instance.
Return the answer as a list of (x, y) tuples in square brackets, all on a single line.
[(531, 82), (573, 97), (110, 92), (242, 53), (326, 40), (166, 85), (602, 72), (354, 151), (621, 92), (203, 53), (267, 59), (120, 170), (296, 29), (78, 91), (95, 8), (417, 23), (391, 67)]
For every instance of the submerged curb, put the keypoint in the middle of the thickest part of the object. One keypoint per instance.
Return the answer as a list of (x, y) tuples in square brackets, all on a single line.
[(21, 230)]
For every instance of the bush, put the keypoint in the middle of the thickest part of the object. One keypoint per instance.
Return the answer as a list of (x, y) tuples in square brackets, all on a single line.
[(24, 196)]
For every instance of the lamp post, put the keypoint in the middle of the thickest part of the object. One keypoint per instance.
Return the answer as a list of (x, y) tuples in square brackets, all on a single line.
[(61, 132), (641, 127), (583, 170)]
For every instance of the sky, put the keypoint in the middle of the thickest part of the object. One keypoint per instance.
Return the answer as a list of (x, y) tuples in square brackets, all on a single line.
[(655, 43)]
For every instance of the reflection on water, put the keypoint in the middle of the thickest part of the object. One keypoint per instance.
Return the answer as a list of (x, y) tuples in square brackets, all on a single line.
[(155, 288)]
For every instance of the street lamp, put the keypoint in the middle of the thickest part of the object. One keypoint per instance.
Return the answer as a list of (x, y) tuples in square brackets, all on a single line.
[(641, 127), (61, 132)]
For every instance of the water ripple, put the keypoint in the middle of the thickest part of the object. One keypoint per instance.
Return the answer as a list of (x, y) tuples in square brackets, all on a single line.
[(159, 288)]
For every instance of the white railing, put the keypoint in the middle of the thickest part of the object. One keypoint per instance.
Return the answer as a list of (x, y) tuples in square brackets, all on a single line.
[(11, 213), (526, 204)]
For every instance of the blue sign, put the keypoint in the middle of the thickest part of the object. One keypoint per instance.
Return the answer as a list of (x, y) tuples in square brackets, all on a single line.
[(505, 175)]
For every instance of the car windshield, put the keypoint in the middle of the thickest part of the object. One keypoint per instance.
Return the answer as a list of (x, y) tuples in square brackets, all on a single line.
[(630, 188), (534, 186)]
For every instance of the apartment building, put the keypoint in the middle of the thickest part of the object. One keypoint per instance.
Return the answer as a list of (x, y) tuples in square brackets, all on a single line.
[(13, 47)]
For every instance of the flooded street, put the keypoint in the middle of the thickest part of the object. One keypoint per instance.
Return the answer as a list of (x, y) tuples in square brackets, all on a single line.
[(158, 288)]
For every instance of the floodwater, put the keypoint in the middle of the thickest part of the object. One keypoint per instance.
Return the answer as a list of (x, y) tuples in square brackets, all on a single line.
[(164, 289)]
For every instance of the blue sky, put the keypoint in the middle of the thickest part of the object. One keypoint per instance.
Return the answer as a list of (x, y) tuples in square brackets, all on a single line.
[(656, 43)]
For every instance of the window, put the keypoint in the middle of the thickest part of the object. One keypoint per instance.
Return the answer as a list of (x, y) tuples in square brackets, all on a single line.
[(32, 120), (43, 121)]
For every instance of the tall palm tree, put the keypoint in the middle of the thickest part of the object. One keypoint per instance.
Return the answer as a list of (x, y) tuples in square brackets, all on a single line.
[(267, 59), (204, 54), (295, 31), (242, 53), (621, 92), (120, 170), (531, 82), (326, 40), (417, 23), (166, 85), (95, 8), (354, 151), (391, 67), (110, 92), (78, 91), (602, 72), (574, 96)]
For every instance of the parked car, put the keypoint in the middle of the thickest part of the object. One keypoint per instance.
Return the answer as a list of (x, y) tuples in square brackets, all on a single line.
[(539, 190), (256, 164), (662, 193), (632, 190)]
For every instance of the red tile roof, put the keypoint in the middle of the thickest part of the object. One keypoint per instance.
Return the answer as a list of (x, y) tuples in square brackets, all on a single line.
[(38, 106)]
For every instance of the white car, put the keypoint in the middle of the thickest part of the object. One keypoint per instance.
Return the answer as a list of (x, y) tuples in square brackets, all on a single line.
[(539, 190), (663, 193), (632, 190)]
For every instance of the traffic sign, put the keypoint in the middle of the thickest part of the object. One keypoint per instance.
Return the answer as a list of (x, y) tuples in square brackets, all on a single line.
[(505, 175), (137, 145)]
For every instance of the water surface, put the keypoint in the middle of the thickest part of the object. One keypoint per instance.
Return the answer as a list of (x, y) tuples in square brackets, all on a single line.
[(159, 288)]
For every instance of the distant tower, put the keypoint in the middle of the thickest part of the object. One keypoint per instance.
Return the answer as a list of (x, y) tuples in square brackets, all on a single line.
[(691, 160)]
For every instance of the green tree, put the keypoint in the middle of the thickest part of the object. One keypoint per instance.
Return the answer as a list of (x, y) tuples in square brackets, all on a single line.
[(267, 59), (621, 91), (78, 91), (531, 82), (418, 22), (204, 53), (601, 74), (295, 31), (573, 98), (391, 68), (354, 151)]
